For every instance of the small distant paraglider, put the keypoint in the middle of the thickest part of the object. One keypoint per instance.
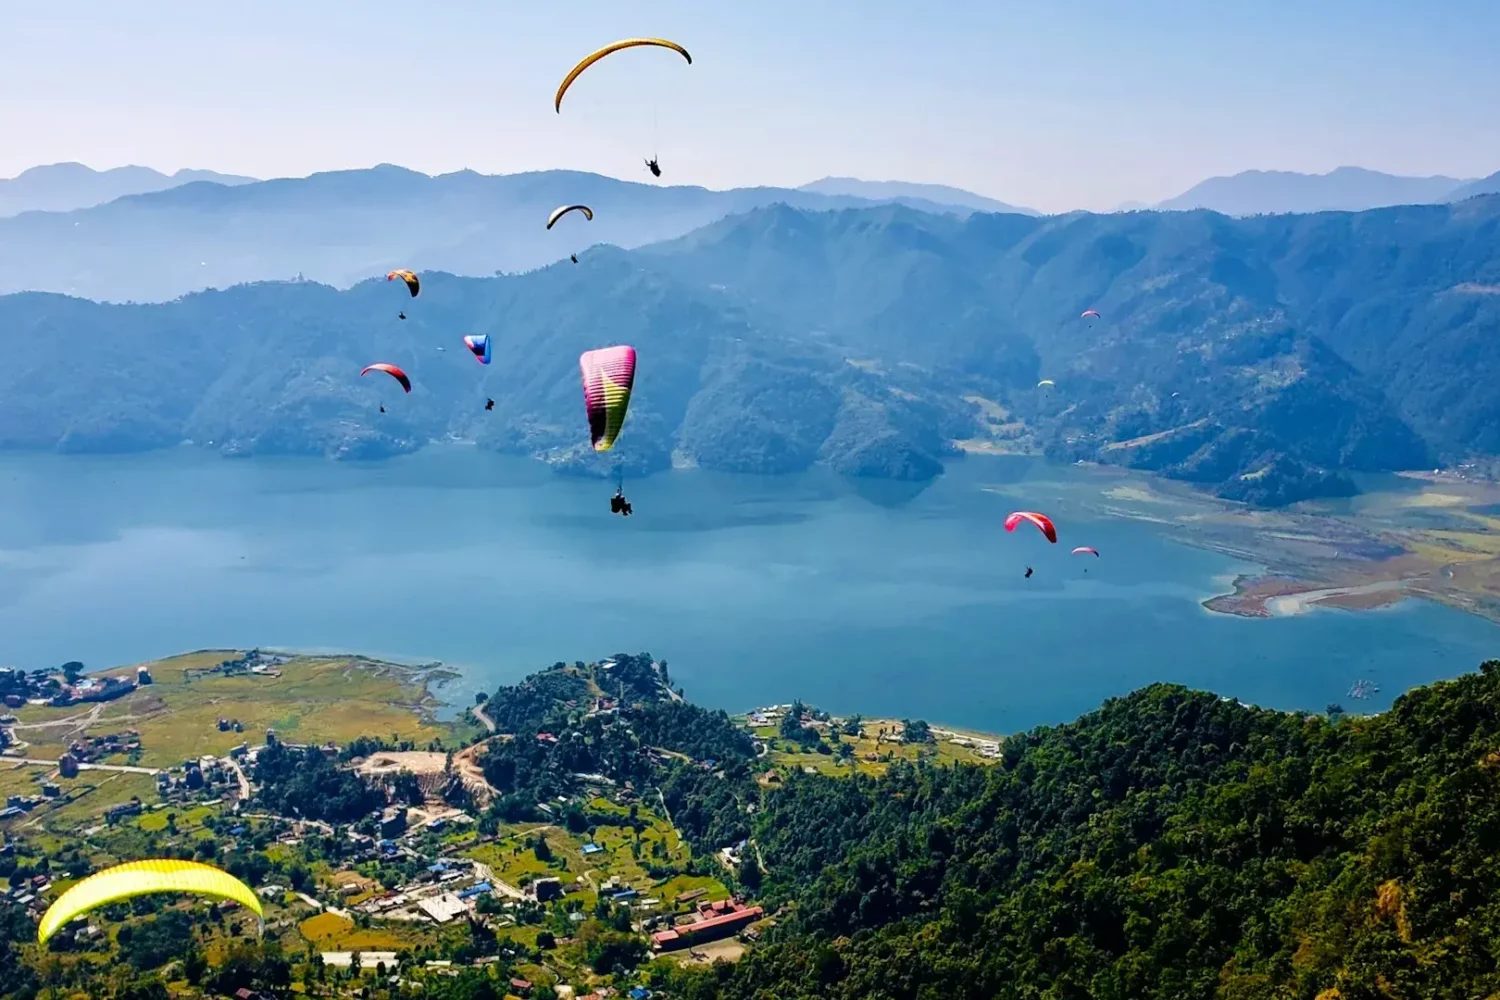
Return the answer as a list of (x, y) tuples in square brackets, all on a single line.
[(1089, 314), (562, 210), (1088, 550), (479, 346), (1046, 383), (391, 370), (412, 282)]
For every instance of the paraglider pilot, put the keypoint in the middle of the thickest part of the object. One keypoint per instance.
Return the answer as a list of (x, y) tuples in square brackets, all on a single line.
[(654, 167), (489, 404), (619, 505), (1028, 572)]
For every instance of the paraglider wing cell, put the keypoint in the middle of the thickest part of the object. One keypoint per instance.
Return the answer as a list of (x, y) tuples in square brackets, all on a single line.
[(1042, 522), (595, 56), (139, 878), (562, 210), (479, 346), (392, 371), (412, 284), (608, 375), (1086, 550)]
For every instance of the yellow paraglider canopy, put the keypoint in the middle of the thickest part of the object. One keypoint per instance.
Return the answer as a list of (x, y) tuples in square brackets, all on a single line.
[(593, 57), (139, 878)]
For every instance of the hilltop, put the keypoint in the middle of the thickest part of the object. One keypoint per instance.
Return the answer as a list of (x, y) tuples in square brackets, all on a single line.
[(1346, 189), (62, 187)]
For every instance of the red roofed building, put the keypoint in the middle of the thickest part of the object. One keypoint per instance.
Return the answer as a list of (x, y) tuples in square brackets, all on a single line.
[(714, 920)]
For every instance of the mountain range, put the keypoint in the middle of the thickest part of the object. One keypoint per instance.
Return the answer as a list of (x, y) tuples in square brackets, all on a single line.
[(1347, 189), (1264, 358), (62, 187), (181, 234), (344, 226), (908, 193)]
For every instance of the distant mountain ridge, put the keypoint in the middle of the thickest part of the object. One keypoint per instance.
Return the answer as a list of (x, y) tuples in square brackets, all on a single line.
[(906, 192), (1485, 185), (1263, 358), (340, 227), (63, 187), (1280, 192)]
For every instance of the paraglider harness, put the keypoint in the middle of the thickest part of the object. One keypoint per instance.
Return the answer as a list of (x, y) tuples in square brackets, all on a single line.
[(654, 167), (619, 505)]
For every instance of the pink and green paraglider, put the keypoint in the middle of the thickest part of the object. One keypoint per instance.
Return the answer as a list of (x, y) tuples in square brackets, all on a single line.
[(608, 375)]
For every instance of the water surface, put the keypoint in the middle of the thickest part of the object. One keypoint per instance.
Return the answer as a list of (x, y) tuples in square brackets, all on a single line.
[(874, 597)]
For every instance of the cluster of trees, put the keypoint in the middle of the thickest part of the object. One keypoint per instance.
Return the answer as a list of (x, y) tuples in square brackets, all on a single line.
[(686, 728), (305, 783)]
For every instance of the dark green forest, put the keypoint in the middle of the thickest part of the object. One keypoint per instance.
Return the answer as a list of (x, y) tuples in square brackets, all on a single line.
[(1265, 358), (1172, 844)]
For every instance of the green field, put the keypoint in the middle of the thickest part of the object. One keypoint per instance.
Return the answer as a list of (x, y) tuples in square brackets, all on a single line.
[(316, 699)]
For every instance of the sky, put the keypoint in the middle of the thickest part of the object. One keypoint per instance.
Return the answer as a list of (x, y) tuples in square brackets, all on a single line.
[(1055, 106)]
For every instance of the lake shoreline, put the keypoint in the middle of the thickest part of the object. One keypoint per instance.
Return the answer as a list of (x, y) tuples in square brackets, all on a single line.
[(1271, 596)]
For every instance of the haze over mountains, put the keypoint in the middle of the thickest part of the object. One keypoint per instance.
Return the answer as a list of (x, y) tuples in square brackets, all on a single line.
[(344, 226), (1263, 357), (61, 187), (195, 229), (1347, 189), (905, 192)]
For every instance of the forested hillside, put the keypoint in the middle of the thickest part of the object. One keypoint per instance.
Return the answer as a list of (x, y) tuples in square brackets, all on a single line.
[(1265, 358), (1170, 845)]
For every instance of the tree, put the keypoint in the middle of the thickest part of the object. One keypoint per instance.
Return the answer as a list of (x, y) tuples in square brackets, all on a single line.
[(915, 731), (852, 725), (543, 849), (749, 873), (72, 670), (791, 723)]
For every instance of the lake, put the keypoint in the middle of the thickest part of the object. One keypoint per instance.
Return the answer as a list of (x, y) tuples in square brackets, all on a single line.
[(872, 597)]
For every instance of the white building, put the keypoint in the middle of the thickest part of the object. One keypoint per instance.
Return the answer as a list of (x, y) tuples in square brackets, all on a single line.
[(444, 908)]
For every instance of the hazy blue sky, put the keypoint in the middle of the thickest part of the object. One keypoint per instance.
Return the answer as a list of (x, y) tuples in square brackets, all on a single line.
[(1083, 103)]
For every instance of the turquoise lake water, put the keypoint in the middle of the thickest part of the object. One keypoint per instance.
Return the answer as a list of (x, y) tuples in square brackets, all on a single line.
[(874, 597)]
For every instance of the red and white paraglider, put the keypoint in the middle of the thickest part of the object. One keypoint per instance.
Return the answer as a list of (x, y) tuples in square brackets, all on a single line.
[(1042, 521)]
